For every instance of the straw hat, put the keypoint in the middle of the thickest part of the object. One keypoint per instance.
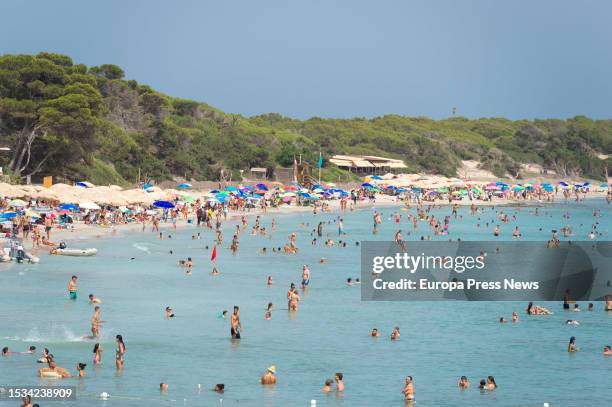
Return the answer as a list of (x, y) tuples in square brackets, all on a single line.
[(272, 369)]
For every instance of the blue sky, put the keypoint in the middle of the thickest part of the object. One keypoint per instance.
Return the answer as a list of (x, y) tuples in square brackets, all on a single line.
[(341, 58)]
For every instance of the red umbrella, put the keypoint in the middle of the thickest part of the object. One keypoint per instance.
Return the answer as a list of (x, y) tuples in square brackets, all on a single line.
[(290, 188)]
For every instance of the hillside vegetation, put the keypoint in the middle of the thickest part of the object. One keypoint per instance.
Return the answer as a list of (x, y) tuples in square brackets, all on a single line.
[(77, 122)]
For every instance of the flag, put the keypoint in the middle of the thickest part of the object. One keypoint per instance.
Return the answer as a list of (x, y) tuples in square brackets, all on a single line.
[(320, 162), (213, 256)]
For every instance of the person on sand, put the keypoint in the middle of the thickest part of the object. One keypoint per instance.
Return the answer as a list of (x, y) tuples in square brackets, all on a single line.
[(72, 288), (338, 378), (53, 368), (94, 300), (408, 390), (270, 376), (235, 326)]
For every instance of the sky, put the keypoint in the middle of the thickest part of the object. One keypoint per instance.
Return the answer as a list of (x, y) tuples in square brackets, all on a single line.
[(341, 58)]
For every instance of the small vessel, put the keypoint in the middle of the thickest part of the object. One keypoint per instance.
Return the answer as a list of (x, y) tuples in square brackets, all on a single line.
[(75, 252)]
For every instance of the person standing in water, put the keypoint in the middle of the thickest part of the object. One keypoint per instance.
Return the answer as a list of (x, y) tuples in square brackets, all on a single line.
[(235, 326), (72, 288), (119, 352), (305, 276), (408, 390)]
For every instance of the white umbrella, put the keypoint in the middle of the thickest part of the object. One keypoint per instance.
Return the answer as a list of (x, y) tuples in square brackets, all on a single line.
[(89, 205)]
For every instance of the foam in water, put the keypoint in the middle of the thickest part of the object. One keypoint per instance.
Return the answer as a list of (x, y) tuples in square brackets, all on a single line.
[(55, 334), (142, 247)]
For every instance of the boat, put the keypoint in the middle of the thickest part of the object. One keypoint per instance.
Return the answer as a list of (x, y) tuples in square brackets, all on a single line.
[(75, 252)]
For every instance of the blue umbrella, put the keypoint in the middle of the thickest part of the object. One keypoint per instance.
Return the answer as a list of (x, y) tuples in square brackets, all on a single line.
[(376, 177), (147, 186), (563, 184), (603, 185), (215, 191), (69, 207), (8, 215), (184, 186), (263, 187), (367, 185), (84, 184), (163, 204), (230, 188)]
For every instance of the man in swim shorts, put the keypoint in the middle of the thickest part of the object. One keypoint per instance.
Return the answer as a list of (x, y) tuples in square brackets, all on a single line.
[(72, 288), (235, 323), (305, 276)]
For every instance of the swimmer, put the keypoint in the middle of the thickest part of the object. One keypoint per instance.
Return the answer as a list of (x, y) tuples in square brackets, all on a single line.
[(572, 322), (169, 313), (327, 387), (268, 314), (215, 272), (491, 385), (514, 317), (395, 334), (269, 377), (270, 282), (607, 350), (81, 369), (94, 300), (97, 351), (339, 377), (463, 382), (219, 388), (571, 347), (375, 333), (163, 387)]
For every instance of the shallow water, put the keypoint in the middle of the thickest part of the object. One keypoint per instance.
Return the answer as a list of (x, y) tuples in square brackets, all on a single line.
[(330, 333)]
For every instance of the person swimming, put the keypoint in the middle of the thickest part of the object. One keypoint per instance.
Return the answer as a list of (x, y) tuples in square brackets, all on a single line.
[(169, 313), (463, 382), (571, 347)]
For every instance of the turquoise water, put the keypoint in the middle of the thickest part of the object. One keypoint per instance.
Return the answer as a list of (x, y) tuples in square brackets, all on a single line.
[(330, 333)]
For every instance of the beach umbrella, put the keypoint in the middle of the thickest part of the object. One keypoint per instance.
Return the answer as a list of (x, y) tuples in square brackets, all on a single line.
[(184, 185), (85, 184), (563, 184), (161, 204), (263, 187), (603, 185), (64, 212), (377, 177), (17, 203), (147, 186), (367, 185), (290, 188), (89, 205), (69, 207), (230, 188), (187, 198), (8, 215), (443, 190), (287, 199)]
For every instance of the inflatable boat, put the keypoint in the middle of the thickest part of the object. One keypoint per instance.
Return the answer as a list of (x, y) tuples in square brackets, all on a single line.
[(75, 252)]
